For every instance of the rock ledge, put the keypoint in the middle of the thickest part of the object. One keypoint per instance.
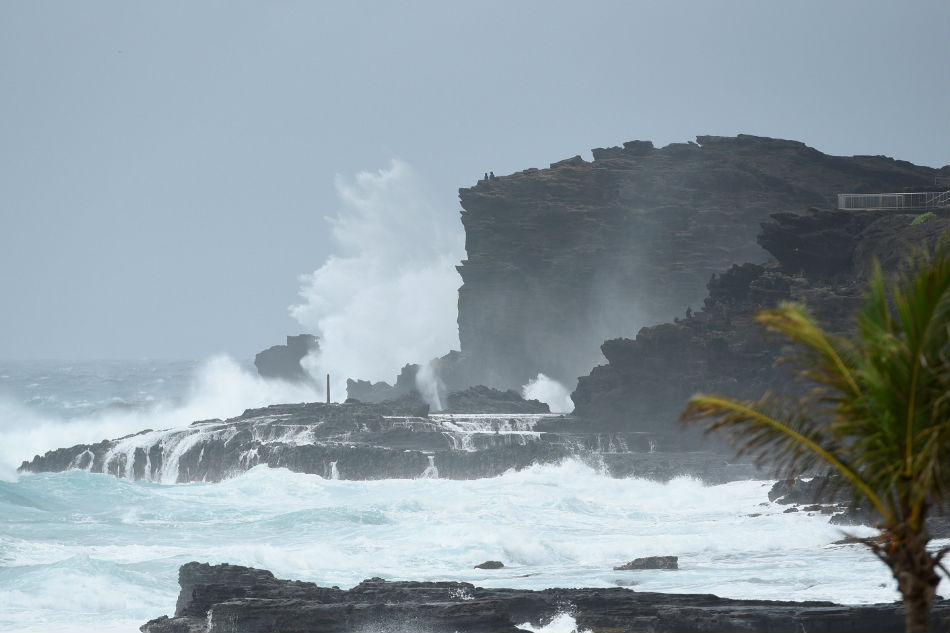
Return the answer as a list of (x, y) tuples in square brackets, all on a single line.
[(229, 599)]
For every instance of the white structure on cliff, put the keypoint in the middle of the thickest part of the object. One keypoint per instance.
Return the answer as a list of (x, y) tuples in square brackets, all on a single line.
[(895, 201)]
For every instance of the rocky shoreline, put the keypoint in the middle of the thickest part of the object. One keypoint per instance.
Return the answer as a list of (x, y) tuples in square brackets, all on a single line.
[(399, 439), (233, 599)]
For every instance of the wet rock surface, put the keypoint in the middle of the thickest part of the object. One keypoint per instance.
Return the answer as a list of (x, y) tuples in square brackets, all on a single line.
[(826, 495), (481, 399), (232, 599), (490, 564), (822, 258), (650, 562), (459, 399), (398, 439)]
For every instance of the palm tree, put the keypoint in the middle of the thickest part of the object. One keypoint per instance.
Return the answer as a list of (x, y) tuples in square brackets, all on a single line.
[(876, 415)]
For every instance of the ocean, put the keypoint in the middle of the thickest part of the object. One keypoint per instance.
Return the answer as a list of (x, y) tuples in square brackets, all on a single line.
[(83, 552)]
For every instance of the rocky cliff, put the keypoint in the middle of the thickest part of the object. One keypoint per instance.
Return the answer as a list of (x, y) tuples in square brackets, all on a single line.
[(821, 257), (561, 259)]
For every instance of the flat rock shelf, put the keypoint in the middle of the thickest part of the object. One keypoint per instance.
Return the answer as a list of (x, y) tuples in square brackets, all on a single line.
[(231, 599)]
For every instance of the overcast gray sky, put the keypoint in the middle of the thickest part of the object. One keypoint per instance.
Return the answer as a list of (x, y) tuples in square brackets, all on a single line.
[(166, 167)]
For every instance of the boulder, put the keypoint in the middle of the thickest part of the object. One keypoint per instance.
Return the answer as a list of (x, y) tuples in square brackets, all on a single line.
[(651, 562), (490, 564)]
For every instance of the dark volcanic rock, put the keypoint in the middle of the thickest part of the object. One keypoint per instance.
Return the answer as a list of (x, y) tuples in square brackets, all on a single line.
[(476, 399), (490, 564), (651, 562), (481, 399), (231, 599), (366, 391), (378, 392), (802, 492), (283, 361), (396, 439), (828, 496), (455, 392), (563, 258), (719, 349)]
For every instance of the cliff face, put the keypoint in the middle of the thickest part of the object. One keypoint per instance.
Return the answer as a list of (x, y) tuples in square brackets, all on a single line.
[(561, 259), (822, 258)]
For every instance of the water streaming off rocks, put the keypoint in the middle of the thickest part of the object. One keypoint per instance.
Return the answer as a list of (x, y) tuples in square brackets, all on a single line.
[(361, 441)]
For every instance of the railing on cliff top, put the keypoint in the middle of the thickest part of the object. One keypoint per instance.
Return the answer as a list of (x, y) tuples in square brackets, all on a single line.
[(867, 201)]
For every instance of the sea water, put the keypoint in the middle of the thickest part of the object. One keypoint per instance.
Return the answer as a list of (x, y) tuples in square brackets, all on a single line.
[(90, 552)]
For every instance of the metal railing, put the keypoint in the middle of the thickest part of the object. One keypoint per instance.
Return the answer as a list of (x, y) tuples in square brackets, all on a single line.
[(894, 201)]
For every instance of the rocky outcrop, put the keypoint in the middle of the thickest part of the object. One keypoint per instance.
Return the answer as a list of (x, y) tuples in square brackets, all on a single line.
[(831, 496), (476, 399), (650, 562), (481, 399), (561, 259), (490, 564), (283, 361), (232, 599), (821, 258), (397, 439), (378, 392)]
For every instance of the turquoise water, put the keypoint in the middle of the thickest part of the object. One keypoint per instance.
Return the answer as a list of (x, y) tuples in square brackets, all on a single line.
[(82, 388), (87, 552)]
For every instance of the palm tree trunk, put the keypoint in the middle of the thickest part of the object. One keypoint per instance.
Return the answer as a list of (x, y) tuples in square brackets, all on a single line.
[(917, 580), (918, 599)]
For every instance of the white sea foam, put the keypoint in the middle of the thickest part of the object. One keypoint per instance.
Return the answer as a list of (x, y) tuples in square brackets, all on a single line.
[(562, 623), (430, 385), (220, 388), (555, 525), (388, 296), (550, 392)]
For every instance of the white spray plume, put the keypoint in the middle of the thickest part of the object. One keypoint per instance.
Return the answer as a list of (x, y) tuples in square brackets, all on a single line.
[(220, 388), (430, 385), (389, 294), (550, 392), (561, 623)]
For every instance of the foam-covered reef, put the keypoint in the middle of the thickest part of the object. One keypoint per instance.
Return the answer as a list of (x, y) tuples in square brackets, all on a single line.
[(399, 439)]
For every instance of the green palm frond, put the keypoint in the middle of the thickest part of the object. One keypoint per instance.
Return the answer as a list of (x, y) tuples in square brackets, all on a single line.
[(792, 441), (878, 412), (825, 359)]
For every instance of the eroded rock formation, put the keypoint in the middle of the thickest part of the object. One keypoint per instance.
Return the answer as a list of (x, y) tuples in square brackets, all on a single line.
[(821, 258), (283, 361), (561, 259)]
